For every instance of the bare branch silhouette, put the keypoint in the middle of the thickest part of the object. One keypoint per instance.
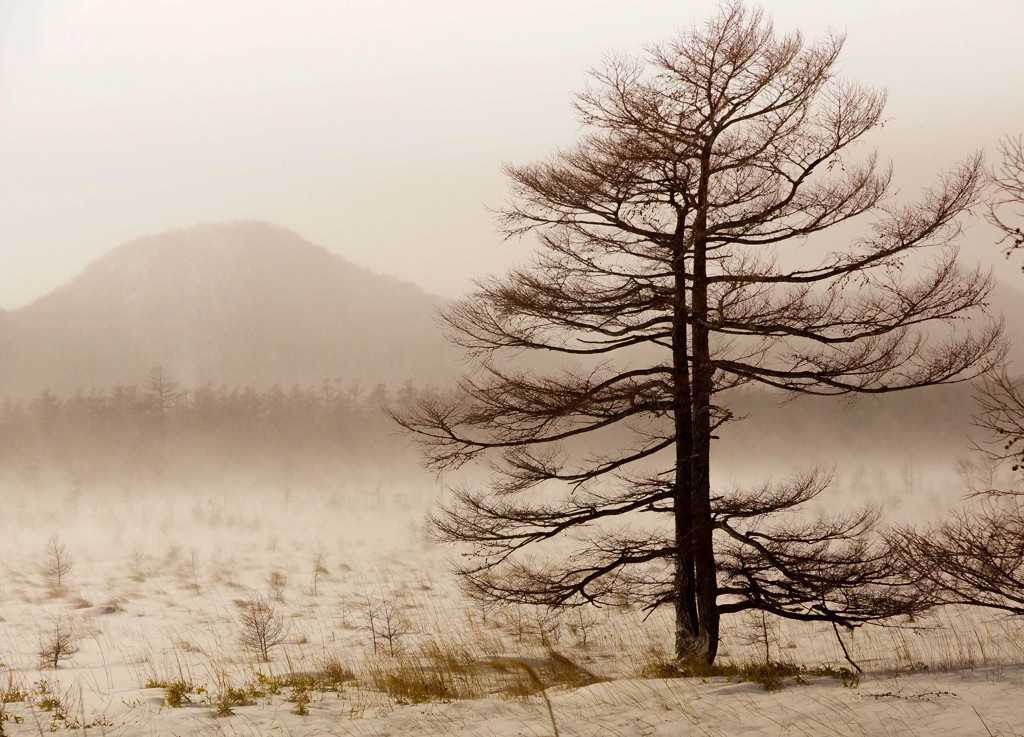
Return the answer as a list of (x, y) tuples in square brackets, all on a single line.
[(667, 275)]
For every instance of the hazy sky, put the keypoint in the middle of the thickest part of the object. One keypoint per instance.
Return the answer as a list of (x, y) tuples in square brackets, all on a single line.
[(378, 128)]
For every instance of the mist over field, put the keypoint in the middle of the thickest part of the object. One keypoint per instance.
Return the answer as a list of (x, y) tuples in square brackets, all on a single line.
[(177, 498), (456, 369), (236, 353)]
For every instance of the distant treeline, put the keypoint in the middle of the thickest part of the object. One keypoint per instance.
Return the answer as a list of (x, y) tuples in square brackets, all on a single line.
[(159, 431), (158, 428)]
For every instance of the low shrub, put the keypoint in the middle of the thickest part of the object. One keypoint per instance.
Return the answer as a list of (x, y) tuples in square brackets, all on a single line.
[(177, 693)]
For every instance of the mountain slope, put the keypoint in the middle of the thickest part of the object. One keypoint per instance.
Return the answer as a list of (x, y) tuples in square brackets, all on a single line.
[(238, 304)]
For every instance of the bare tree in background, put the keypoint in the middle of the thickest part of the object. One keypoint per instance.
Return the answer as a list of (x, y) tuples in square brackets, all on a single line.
[(1006, 210), (161, 394), (662, 283), (260, 626), (319, 567), (58, 564), (977, 557), (382, 614), (57, 644)]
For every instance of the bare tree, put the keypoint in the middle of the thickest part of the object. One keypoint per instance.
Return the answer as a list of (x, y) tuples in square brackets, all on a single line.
[(383, 617), (193, 568), (276, 584), (319, 569), (162, 393), (977, 556), (662, 282), (58, 564), (57, 644), (261, 627), (1006, 209)]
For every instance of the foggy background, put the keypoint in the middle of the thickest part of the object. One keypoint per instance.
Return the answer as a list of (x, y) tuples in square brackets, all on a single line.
[(225, 229), (377, 129)]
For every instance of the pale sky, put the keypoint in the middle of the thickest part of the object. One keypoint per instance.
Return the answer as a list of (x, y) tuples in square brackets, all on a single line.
[(378, 128)]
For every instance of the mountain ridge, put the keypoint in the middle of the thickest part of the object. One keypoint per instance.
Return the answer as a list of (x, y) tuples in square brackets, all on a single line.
[(244, 303), (239, 303)]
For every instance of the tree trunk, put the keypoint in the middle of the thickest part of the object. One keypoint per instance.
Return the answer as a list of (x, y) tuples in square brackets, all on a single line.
[(706, 579), (683, 583)]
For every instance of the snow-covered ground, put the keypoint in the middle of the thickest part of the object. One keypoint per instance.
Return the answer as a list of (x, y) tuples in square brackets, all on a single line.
[(160, 580)]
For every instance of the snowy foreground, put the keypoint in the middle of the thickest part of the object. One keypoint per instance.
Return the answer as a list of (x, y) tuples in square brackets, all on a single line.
[(951, 705), (154, 602)]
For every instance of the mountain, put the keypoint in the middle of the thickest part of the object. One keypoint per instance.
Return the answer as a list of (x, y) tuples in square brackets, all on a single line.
[(241, 304), (246, 304)]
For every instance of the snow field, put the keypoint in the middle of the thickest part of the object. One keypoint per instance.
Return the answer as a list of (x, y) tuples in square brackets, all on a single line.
[(160, 578)]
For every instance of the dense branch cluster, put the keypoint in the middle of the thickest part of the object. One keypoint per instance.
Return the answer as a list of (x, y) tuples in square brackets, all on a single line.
[(976, 558)]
